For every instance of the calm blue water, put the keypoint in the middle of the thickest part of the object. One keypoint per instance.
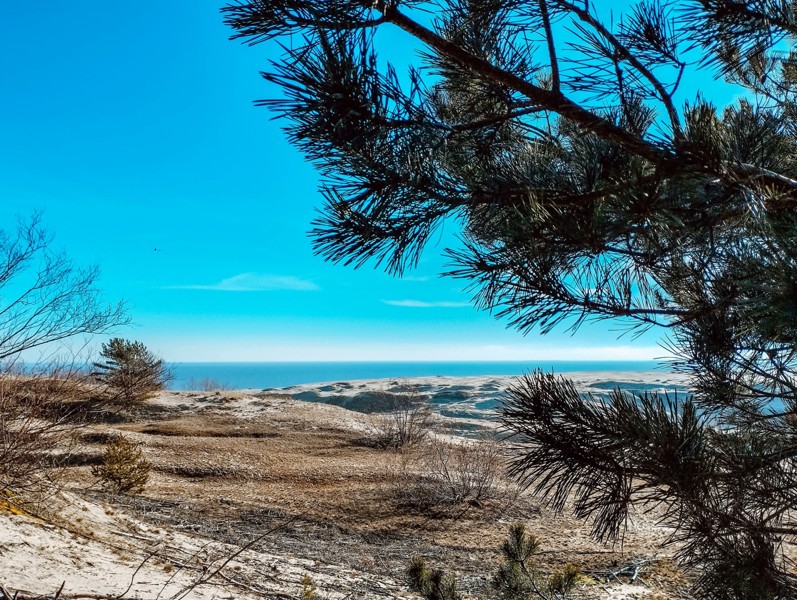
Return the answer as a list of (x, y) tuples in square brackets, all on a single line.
[(271, 375)]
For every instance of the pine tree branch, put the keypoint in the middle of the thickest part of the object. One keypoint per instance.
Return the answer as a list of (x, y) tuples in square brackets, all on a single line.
[(558, 103), (742, 10), (585, 16), (552, 101), (764, 175), (546, 21)]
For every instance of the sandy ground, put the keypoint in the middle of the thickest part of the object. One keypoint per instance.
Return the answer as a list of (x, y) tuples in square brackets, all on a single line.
[(264, 494)]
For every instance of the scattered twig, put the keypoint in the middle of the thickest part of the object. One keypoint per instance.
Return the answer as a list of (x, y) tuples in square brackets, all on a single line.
[(138, 568), (631, 569), (183, 566), (202, 580), (134, 536), (254, 589)]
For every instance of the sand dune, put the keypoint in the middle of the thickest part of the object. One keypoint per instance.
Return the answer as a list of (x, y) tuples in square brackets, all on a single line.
[(289, 463)]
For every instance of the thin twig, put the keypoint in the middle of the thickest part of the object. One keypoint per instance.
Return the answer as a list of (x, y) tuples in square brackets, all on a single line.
[(203, 580), (138, 568)]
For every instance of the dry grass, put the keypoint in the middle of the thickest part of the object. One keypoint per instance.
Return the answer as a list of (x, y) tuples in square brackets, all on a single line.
[(206, 384), (201, 426), (229, 477)]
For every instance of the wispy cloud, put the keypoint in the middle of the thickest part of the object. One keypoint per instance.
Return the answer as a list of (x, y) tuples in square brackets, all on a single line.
[(422, 304), (255, 282)]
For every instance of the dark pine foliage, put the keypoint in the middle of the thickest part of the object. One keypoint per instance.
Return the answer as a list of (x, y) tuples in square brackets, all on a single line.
[(587, 187)]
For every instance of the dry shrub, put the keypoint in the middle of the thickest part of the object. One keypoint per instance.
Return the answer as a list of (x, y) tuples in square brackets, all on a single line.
[(206, 384), (39, 417), (401, 419), (124, 468), (443, 473)]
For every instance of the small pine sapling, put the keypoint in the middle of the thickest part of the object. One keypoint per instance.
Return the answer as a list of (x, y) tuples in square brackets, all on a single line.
[(130, 371), (517, 578), (432, 584), (124, 469)]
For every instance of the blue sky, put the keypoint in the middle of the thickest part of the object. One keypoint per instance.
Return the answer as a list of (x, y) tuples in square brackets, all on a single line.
[(132, 128)]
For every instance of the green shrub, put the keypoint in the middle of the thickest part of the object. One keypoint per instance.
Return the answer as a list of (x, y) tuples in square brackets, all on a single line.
[(124, 469), (308, 589), (517, 577)]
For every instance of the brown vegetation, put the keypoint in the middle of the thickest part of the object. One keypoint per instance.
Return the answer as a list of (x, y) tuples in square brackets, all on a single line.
[(40, 414), (451, 474), (228, 469)]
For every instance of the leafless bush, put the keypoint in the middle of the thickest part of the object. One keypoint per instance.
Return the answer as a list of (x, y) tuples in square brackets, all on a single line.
[(44, 301), (442, 473), (206, 384), (39, 416), (467, 471), (401, 419), (124, 467), (45, 298)]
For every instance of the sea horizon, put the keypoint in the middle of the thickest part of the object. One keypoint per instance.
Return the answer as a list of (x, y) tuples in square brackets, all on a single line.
[(278, 374)]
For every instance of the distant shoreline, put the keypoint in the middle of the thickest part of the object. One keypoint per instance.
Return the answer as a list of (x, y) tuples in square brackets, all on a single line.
[(267, 375)]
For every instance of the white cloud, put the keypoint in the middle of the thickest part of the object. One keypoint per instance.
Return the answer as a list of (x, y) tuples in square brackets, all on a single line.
[(421, 304), (255, 282)]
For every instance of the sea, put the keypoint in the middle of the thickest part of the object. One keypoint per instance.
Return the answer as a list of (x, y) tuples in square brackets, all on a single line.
[(269, 375)]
